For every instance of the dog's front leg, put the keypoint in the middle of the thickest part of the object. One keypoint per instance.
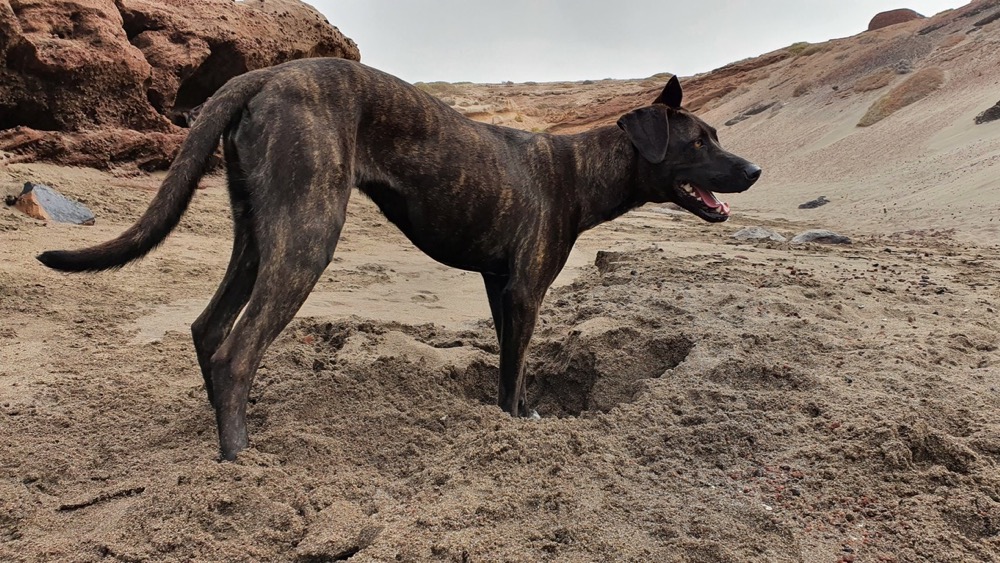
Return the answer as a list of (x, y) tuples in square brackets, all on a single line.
[(519, 304)]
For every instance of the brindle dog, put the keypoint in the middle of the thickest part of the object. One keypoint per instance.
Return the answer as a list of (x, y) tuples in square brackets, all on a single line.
[(484, 198)]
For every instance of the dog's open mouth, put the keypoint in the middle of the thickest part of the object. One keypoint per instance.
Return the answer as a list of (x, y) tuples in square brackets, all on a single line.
[(703, 203)]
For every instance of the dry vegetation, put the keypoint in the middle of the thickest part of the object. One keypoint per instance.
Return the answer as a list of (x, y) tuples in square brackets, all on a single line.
[(915, 88), (805, 49), (874, 81)]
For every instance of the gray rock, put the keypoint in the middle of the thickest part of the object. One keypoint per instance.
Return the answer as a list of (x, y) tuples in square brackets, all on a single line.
[(45, 203), (758, 233), (820, 236), (759, 108), (989, 115), (813, 204)]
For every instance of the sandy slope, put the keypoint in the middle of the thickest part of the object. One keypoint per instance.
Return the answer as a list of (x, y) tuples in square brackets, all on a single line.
[(925, 166)]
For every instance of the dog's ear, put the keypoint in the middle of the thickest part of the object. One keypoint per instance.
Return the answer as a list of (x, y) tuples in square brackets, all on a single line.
[(671, 95), (649, 132)]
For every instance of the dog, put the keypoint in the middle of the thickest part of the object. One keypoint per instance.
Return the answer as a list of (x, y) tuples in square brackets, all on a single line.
[(508, 204)]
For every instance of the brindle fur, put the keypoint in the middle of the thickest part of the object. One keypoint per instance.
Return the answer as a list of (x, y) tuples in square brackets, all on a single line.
[(489, 199)]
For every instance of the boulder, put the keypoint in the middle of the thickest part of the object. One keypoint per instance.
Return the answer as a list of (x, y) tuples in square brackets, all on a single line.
[(47, 204), (814, 203), (991, 114), (759, 108), (82, 68), (820, 236), (893, 17)]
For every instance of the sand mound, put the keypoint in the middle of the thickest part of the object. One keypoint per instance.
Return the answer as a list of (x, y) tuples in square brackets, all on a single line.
[(703, 399)]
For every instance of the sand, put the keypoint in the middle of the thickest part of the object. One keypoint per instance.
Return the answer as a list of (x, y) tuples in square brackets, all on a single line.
[(703, 399)]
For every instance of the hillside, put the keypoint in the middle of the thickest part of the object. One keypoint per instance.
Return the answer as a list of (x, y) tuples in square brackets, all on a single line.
[(796, 111)]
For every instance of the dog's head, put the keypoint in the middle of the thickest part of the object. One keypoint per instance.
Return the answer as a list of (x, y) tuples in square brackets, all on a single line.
[(680, 159)]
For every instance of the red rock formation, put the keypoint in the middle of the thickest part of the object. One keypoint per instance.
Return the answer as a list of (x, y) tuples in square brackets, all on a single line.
[(73, 71), (893, 17)]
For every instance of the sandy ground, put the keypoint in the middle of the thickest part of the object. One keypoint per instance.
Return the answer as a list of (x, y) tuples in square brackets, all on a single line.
[(703, 399)]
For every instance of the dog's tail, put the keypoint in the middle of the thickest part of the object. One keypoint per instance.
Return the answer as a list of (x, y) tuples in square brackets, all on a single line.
[(171, 201)]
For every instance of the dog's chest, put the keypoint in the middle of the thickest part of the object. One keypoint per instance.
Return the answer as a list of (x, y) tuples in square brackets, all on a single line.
[(462, 234)]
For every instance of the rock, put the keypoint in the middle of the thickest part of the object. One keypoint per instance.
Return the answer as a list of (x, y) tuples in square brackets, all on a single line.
[(45, 203), (813, 204), (759, 108), (992, 114), (988, 19), (820, 236), (758, 233), (74, 69), (893, 17), (338, 532), (96, 148)]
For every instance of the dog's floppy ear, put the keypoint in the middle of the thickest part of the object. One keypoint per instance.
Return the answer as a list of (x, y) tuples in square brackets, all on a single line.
[(649, 132), (671, 95)]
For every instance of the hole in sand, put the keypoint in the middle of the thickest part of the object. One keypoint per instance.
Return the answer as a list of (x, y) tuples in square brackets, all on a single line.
[(584, 372), (597, 372)]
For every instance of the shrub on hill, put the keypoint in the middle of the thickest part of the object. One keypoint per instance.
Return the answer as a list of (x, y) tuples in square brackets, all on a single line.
[(879, 79), (915, 88)]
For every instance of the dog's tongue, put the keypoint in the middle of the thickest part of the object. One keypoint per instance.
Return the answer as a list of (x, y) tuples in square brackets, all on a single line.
[(711, 201)]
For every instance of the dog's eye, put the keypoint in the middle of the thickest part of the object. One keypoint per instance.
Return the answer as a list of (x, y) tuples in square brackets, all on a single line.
[(699, 144)]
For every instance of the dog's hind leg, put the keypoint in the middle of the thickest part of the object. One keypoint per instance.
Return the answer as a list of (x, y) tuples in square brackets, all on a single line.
[(299, 179), (296, 238), (214, 324), (292, 260), (212, 327)]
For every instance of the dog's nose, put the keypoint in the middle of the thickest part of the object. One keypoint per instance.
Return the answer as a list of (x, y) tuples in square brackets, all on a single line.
[(752, 172)]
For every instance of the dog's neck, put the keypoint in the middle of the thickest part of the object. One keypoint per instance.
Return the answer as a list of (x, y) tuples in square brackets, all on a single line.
[(604, 162)]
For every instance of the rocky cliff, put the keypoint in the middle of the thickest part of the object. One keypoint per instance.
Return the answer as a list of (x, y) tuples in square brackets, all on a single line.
[(106, 82)]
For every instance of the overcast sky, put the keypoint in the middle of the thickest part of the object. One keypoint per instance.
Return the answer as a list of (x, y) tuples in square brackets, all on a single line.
[(550, 40)]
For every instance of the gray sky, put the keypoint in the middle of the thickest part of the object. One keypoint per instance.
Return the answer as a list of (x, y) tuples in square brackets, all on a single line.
[(548, 40)]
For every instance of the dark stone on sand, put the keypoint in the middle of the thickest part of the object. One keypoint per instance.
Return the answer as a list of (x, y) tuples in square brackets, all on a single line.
[(758, 233), (813, 204), (47, 204), (759, 108), (820, 236), (989, 115)]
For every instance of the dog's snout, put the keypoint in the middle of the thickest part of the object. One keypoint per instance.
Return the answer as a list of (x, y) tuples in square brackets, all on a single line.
[(752, 172)]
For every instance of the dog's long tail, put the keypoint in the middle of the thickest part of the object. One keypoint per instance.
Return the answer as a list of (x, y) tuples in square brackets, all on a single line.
[(171, 201)]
